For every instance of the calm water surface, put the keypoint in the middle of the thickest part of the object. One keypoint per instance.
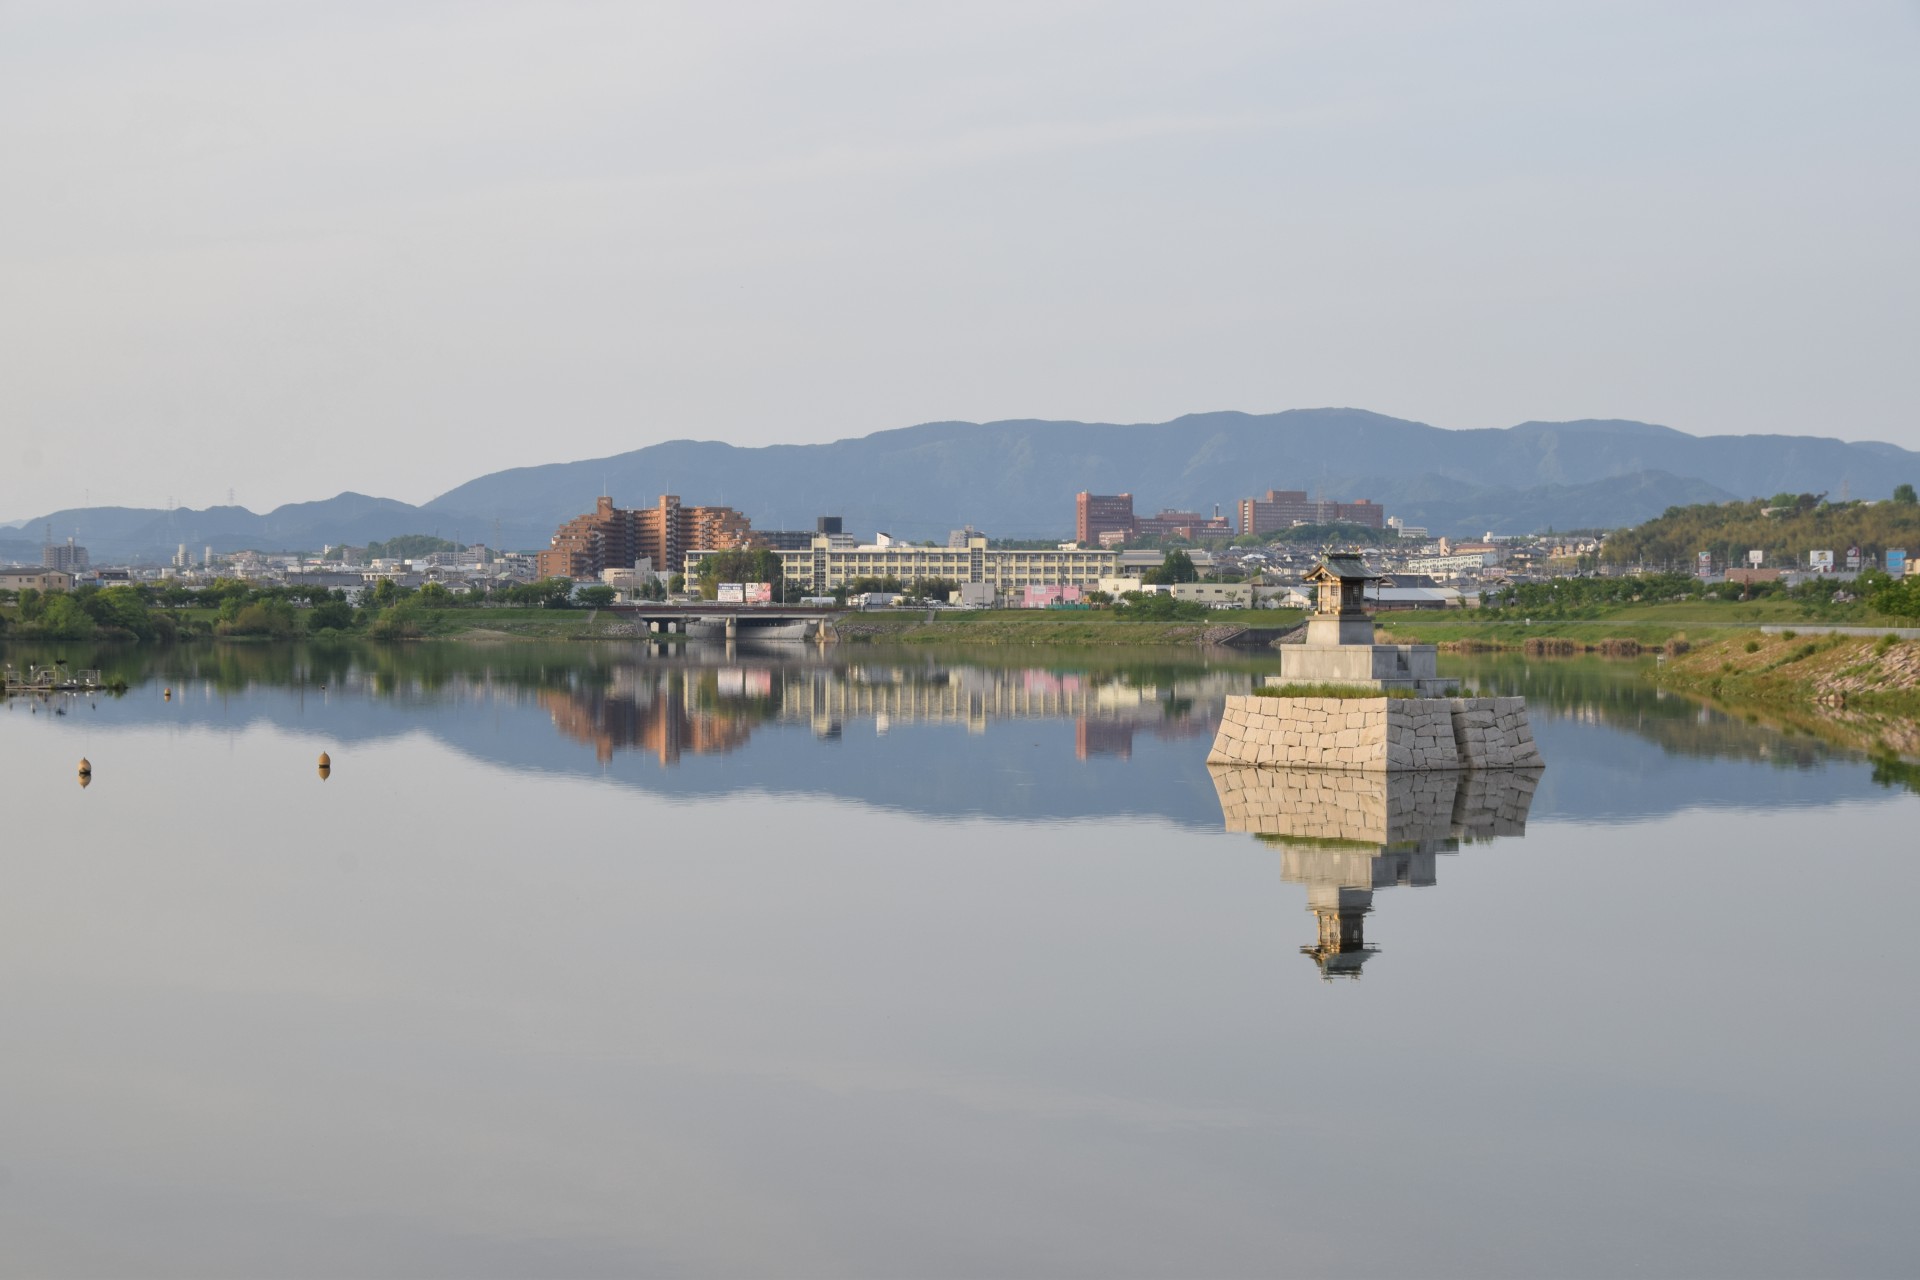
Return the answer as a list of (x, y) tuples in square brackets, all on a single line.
[(586, 962)]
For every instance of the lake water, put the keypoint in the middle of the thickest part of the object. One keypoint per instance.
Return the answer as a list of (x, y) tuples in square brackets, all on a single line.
[(598, 962)]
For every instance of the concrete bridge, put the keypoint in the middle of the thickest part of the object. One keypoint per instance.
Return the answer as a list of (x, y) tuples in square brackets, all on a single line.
[(712, 621)]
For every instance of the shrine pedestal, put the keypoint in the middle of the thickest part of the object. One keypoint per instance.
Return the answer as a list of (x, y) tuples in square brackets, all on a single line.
[(1376, 734)]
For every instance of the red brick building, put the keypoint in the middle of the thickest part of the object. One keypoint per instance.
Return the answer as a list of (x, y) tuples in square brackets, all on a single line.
[(1098, 513), (1190, 525), (1284, 508)]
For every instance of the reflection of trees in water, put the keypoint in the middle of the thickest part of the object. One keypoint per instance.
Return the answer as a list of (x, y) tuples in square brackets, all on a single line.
[(1618, 694), (396, 669)]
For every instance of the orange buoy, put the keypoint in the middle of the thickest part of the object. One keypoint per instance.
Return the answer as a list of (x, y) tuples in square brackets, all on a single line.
[(86, 767), (326, 765), (167, 694), (86, 780)]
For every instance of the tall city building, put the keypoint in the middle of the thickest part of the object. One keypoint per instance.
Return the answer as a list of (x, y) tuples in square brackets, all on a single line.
[(610, 537), (65, 557), (1284, 508), (1098, 513)]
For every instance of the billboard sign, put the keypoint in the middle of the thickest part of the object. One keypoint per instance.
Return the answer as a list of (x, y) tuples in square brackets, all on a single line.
[(1896, 561), (1756, 558), (759, 592), (732, 593), (1853, 558), (1820, 561), (1703, 564)]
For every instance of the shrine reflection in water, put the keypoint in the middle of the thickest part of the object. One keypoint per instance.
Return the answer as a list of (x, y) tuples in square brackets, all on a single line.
[(1346, 834)]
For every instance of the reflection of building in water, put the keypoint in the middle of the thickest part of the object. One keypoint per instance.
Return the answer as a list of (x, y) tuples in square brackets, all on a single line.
[(976, 696), (1102, 738), (662, 716), (1345, 833), (671, 708)]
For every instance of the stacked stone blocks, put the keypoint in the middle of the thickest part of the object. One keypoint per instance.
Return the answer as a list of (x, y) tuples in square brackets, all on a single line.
[(1376, 734)]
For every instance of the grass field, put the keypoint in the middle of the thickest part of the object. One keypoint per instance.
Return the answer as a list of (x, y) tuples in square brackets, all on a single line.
[(1053, 628), (1650, 624)]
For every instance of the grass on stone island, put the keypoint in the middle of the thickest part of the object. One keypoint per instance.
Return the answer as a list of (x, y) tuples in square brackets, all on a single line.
[(1325, 690)]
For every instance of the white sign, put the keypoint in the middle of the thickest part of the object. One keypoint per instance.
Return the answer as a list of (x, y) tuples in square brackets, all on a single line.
[(1820, 561), (732, 593), (1756, 558)]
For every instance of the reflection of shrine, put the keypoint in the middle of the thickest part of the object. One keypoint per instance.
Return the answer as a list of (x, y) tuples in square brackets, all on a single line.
[(1344, 834)]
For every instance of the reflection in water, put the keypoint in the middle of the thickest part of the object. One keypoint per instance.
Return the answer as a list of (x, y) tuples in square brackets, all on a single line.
[(1344, 834), (669, 709)]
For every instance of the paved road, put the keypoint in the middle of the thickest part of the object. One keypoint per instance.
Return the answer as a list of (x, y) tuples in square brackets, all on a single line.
[(1905, 633)]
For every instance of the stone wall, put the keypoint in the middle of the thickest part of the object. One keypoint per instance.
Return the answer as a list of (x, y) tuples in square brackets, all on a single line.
[(1376, 734), (1374, 808)]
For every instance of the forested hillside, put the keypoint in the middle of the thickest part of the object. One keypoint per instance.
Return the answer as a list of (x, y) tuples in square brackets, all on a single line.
[(1785, 526)]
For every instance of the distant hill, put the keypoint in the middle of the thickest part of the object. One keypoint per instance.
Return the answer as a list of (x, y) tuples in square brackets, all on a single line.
[(1018, 479), (148, 534)]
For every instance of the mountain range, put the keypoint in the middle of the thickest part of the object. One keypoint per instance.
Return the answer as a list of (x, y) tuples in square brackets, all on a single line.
[(1018, 479)]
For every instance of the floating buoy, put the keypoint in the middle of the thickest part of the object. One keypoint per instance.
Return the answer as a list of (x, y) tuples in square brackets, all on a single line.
[(167, 694), (326, 765), (86, 767), (86, 780)]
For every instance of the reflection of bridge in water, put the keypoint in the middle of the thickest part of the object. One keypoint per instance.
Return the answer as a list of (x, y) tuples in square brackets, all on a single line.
[(1344, 834), (715, 621)]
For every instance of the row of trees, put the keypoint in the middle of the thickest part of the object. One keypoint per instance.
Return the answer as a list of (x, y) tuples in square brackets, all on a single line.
[(156, 614)]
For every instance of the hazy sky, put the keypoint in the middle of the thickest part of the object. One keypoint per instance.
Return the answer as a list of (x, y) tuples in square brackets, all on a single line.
[(291, 249)]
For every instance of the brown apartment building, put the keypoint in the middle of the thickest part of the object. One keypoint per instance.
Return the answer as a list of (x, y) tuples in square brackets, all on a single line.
[(1284, 508), (610, 537)]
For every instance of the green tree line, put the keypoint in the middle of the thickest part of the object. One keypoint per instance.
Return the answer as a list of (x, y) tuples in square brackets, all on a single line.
[(1797, 524), (150, 613)]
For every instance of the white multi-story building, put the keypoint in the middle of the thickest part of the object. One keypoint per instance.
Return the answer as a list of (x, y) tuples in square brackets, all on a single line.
[(827, 566)]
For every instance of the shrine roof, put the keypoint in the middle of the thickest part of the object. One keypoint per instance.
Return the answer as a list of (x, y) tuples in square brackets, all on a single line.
[(1345, 568)]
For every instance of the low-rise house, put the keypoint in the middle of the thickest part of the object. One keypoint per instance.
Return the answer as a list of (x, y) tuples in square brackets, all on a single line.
[(20, 578)]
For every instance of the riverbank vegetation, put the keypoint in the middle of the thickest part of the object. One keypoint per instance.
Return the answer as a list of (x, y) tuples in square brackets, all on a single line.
[(229, 608), (1652, 610), (1874, 672), (1785, 527)]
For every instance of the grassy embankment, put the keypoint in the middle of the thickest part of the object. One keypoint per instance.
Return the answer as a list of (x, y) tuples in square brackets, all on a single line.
[(526, 624), (1875, 673), (1649, 625), (1051, 628), (1861, 691)]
